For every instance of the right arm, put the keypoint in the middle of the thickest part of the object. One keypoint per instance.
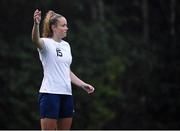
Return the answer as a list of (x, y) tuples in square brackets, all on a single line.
[(35, 31)]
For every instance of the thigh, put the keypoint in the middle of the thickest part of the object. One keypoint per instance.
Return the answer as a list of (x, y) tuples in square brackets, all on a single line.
[(48, 124), (64, 124)]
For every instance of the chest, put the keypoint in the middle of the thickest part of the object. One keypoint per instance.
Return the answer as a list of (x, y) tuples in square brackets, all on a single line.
[(60, 53)]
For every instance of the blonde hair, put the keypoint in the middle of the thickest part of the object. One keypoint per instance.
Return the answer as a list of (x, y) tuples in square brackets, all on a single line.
[(50, 19)]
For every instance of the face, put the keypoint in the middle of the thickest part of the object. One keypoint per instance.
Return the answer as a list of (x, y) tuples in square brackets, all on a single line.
[(61, 28)]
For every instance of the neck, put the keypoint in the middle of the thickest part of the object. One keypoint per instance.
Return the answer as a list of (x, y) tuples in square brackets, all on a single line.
[(57, 39)]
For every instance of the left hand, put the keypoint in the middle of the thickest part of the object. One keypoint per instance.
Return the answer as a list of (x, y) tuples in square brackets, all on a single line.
[(88, 88)]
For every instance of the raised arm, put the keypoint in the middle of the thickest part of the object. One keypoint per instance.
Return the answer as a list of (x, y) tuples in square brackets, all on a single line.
[(35, 31), (78, 82)]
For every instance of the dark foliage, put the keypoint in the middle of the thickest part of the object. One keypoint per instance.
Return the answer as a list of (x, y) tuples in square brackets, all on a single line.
[(132, 59)]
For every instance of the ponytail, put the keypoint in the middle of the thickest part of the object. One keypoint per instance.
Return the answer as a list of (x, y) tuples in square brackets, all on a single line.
[(49, 20)]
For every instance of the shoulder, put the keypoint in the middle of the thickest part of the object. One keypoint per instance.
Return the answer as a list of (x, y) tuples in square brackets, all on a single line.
[(65, 43), (46, 39), (46, 44)]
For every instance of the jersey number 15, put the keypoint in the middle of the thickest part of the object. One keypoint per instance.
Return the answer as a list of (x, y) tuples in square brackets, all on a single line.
[(59, 53)]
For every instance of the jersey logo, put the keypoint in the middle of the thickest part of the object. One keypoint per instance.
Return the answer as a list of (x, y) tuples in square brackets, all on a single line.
[(58, 52)]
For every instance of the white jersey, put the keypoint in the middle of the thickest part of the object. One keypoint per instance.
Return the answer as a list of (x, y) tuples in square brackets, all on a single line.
[(56, 59)]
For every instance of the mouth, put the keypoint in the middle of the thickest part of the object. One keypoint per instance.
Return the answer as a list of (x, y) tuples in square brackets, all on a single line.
[(65, 33)]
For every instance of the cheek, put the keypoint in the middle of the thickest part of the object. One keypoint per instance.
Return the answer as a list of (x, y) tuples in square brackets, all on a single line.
[(60, 30)]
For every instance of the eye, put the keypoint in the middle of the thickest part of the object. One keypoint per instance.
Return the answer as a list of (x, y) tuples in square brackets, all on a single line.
[(64, 25)]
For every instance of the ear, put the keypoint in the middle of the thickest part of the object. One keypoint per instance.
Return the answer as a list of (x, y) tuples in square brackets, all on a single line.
[(53, 27)]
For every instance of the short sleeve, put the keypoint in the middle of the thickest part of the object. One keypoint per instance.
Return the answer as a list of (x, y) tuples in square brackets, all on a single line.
[(44, 48)]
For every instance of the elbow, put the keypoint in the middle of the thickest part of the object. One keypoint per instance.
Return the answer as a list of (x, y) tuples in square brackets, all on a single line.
[(33, 39)]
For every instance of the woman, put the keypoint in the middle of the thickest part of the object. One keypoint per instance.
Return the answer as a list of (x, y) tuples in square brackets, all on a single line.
[(55, 95)]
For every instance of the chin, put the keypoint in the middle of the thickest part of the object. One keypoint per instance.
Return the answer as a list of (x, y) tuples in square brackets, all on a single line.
[(64, 36)]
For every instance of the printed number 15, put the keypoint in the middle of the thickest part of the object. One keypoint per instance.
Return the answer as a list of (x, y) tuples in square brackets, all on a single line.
[(59, 53)]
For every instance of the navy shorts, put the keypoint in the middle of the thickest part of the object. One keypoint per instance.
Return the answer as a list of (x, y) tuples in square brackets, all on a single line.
[(55, 106)]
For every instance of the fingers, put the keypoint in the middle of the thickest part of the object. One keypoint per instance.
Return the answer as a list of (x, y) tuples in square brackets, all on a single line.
[(37, 16), (37, 13), (90, 89)]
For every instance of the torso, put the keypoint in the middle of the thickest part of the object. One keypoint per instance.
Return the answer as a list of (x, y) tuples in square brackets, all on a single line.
[(56, 59)]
